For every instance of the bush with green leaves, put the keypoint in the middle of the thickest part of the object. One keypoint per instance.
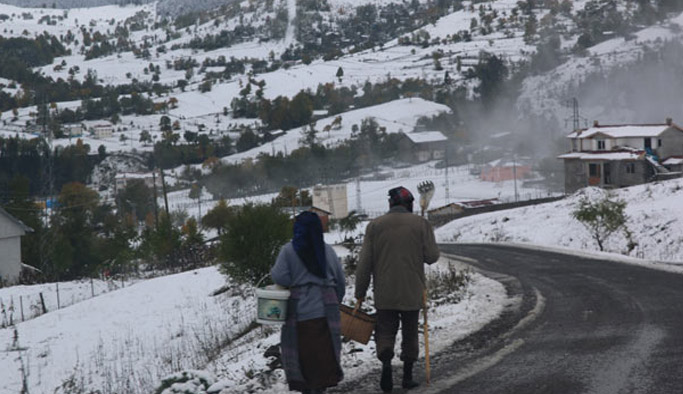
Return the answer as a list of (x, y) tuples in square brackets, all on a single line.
[(253, 240), (601, 218), (448, 286)]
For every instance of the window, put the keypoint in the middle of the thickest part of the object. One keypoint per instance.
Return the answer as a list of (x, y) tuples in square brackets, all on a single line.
[(601, 144), (594, 170), (648, 143), (630, 168), (659, 143)]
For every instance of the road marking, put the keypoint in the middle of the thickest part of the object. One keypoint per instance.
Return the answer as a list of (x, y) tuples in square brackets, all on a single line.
[(480, 366), (493, 359), (461, 258)]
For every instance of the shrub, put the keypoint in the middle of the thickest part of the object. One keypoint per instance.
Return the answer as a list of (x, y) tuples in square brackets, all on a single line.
[(185, 382), (601, 218), (253, 240), (448, 287)]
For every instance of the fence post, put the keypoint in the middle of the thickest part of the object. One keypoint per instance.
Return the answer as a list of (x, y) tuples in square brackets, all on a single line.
[(58, 306), (92, 287), (42, 302), (21, 306)]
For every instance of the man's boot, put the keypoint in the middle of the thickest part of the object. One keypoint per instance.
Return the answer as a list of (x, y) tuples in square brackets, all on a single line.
[(408, 382), (386, 383)]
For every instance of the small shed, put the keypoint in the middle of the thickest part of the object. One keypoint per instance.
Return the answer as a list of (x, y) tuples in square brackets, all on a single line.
[(11, 231), (424, 145)]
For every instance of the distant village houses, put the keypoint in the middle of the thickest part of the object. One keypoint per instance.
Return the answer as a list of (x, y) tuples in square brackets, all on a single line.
[(11, 231), (623, 155)]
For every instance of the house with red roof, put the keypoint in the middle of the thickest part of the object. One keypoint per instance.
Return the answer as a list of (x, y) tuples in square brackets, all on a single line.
[(623, 155)]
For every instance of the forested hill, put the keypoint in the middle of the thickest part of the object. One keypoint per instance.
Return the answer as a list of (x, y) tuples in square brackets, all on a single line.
[(71, 3), (165, 7)]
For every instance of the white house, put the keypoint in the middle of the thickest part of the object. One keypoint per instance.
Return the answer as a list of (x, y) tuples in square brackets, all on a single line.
[(331, 198), (622, 155), (99, 129), (73, 129), (11, 230)]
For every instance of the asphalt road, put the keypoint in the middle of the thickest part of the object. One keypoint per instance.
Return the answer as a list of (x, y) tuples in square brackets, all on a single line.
[(581, 326)]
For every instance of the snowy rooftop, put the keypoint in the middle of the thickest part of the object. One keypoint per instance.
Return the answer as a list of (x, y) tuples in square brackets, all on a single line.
[(672, 161), (602, 156), (621, 131), (134, 175), (426, 136)]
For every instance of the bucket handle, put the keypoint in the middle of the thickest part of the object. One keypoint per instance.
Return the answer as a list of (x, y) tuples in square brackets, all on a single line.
[(261, 280)]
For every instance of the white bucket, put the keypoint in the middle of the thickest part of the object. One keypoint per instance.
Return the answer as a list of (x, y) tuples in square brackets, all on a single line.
[(271, 304)]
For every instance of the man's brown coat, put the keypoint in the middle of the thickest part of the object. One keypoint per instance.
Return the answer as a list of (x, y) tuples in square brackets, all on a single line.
[(395, 248)]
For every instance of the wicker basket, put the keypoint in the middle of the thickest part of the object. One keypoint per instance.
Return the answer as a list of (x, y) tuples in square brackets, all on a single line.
[(356, 325)]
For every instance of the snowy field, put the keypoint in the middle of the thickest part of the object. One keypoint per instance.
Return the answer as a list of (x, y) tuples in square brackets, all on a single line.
[(127, 340)]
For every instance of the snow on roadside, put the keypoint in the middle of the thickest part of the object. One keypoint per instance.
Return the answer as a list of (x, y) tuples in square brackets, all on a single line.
[(128, 340), (655, 220), (245, 369)]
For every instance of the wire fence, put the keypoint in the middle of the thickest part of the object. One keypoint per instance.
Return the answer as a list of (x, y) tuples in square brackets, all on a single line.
[(22, 303)]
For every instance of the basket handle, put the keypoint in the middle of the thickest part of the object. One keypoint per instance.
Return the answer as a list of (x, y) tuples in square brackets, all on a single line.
[(359, 302)]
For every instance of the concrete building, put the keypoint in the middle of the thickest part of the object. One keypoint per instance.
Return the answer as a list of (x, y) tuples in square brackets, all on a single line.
[(11, 231), (331, 198), (73, 129), (622, 155), (99, 129)]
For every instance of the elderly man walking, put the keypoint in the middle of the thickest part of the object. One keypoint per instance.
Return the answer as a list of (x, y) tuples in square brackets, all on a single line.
[(395, 248)]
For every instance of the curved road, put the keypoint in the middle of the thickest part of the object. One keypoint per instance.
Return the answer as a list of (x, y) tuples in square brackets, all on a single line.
[(582, 326)]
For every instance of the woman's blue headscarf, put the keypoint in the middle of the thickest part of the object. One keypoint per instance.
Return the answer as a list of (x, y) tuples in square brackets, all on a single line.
[(309, 244)]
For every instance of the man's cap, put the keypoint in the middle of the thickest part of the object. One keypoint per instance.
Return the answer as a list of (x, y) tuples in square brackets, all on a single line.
[(400, 196)]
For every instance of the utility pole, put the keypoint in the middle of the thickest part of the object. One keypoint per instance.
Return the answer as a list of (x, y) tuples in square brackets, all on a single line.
[(448, 199), (48, 185), (156, 205), (514, 175), (575, 117), (163, 189), (359, 209)]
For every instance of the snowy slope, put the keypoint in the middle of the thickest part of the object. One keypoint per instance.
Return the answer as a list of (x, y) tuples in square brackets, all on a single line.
[(655, 218), (129, 336), (547, 94)]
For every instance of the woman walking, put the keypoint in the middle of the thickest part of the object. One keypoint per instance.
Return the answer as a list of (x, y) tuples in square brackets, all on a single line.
[(311, 339)]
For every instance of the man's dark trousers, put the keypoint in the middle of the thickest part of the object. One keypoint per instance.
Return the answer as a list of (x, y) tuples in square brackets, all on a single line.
[(385, 334)]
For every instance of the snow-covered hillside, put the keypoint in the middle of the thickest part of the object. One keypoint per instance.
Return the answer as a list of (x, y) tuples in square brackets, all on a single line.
[(655, 221), (547, 94)]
